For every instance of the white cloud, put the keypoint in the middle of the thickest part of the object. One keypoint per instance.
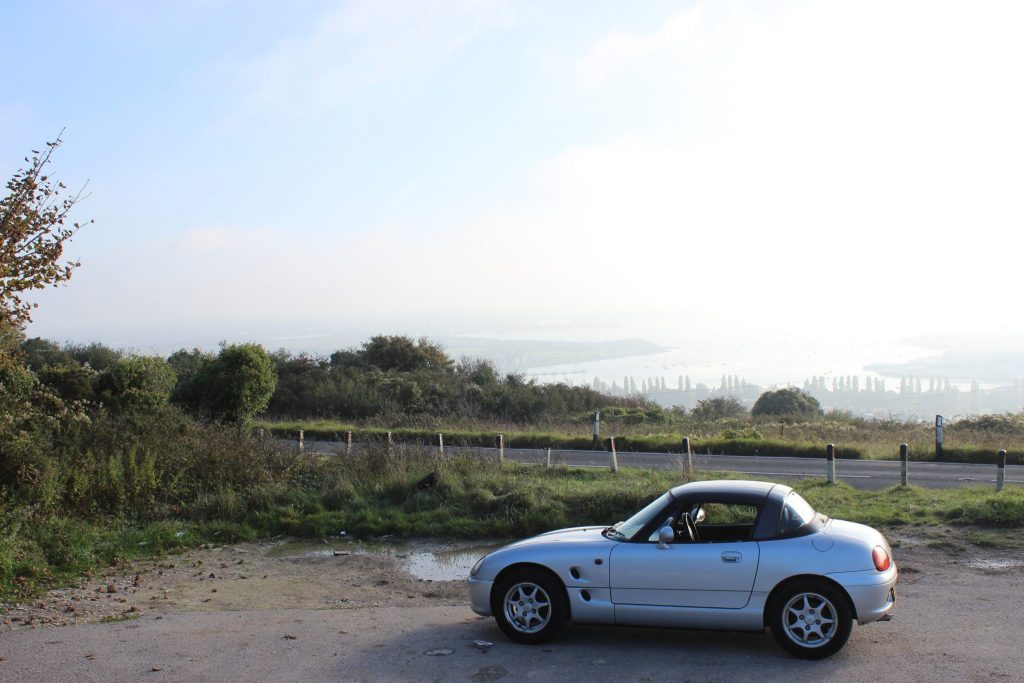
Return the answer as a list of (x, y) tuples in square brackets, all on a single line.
[(682, 34), (364, 44), (843, 167)]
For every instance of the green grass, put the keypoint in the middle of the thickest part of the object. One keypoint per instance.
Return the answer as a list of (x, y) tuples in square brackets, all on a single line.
[(988, 539), (373, 496), (57, 551)]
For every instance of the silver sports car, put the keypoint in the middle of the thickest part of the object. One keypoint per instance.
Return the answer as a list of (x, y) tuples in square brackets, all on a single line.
[(731, 555)]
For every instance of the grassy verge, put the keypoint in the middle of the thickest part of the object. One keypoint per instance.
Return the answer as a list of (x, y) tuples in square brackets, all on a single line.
[(850, 444), (57, 551), (386, 494)]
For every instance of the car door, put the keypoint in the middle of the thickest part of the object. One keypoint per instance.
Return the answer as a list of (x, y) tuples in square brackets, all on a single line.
[(714, 573)]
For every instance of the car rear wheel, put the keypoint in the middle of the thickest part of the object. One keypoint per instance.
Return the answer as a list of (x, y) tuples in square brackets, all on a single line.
[(529, 605), (810, 619)]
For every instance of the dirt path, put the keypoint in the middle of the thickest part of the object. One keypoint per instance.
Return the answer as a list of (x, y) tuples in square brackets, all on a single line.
[(364, 617), (243, 576)]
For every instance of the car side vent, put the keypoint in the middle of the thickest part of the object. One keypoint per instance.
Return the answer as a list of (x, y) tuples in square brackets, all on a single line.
[(585, 595), (575, 571)]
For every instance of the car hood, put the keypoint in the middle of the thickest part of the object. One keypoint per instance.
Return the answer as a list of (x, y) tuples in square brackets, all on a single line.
[(579, 534)]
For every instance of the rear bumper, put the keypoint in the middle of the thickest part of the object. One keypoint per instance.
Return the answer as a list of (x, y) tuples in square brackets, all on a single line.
[(480, 596), (873, 593)]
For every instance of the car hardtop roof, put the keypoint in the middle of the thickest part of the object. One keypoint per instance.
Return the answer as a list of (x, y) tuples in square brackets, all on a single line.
[(726, 486)]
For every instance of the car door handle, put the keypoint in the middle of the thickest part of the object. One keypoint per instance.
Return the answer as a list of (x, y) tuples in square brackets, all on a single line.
[(731, 556)]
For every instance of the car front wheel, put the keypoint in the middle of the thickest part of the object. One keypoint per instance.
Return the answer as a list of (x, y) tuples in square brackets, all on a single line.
[(529, 605), (811, 619)]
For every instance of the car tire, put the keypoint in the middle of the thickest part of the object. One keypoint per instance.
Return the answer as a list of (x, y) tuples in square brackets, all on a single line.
[(529, 605), (810, 618)]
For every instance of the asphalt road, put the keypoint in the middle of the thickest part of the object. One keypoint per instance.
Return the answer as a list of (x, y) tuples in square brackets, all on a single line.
[(861, 474)]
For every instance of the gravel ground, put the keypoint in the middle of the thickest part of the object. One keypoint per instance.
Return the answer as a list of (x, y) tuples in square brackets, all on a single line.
[(241, 613)]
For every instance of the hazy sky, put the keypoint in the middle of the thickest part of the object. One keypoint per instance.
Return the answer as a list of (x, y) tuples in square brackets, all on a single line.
[(755, 172)]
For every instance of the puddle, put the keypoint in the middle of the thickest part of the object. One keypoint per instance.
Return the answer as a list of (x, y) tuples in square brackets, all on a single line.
[(427, 561)]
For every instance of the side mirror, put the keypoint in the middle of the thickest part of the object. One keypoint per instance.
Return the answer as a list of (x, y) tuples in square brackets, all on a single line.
[(665, 536)]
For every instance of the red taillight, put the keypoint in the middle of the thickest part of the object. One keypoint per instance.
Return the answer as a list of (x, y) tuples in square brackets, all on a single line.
[(880, 558)]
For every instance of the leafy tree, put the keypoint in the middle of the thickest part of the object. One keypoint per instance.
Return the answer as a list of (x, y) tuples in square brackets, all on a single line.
[(718, 407), (482, 373), (38, 353), (234, 386), (70, 382), (186, 364), (403, 354), (33, 229), (786, 402), (97, 356), (137, 383)]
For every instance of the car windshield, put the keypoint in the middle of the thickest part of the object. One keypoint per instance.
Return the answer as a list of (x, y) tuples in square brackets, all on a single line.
[(631, 526), (795, 513)]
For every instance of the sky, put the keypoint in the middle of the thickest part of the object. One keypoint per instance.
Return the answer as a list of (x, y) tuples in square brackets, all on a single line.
[(749, 176)]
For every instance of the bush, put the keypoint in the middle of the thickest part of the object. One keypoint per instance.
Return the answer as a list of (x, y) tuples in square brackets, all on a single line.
[(137, 383), (233, 387), (718, 408), (788, 402)]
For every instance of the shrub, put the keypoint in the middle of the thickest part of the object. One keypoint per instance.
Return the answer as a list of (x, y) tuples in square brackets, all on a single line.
[(233, 387), (718, 408), (137, 383), (786, 402)]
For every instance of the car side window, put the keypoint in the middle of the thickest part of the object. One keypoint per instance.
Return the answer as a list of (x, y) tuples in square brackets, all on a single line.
[(727, 513), (796, 512), (717, 521)]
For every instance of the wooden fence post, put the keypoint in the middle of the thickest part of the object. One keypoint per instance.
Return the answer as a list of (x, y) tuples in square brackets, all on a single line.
[(301, 445), (348, 443), (548, 462), (830, 463), (904, 463), (440, 444), (501, 447), (689, 455)]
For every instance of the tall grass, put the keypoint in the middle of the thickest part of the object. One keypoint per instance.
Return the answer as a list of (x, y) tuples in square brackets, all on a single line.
[(224, 486)]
